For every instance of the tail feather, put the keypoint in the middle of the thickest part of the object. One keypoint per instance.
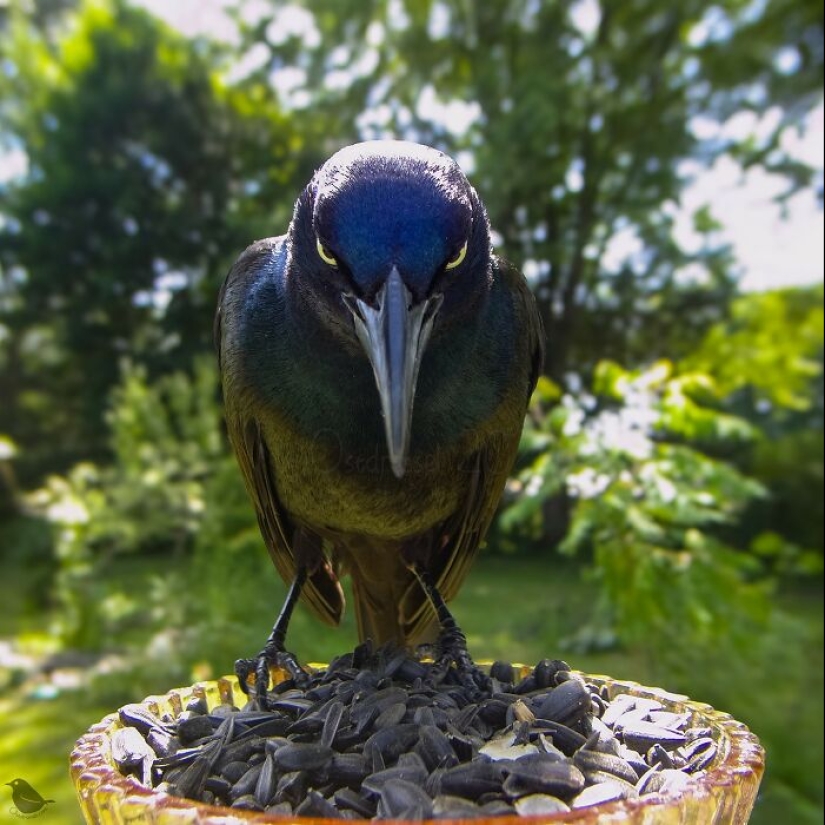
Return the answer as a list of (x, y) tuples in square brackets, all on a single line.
[(384, 591)]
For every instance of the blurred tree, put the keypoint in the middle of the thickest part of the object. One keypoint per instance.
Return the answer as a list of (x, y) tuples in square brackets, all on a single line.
[(578, 119), (650, 508), (767, 361), (767, 355), (145, 175), (167, 446)]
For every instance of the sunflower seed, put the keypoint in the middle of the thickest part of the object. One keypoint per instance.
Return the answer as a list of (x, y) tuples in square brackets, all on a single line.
[(375, 782), (567, 703), (197, 704), (292, 787), (423, 717), (503, 671), (621, 704), (280, 809), (398, 796), (194, 728), (137, 716), (267, 781), (539, 775), (392, 742), (504, 747), (700, 754), (332, 722), (587, 761), (130, 750), (472, 779), (218, 786), (641, 736), (454, 807), (497, 807), (316, 805), (435, 749), (390, 716), (650, 782), (193, 780), (247, 803), (351, 800), (162, 743), (598, 795), (302, 756), (657, 756), (565, 739), (377, 735), (246, 784), (540, 805), (674, 721), (349, 769), (546, 670)]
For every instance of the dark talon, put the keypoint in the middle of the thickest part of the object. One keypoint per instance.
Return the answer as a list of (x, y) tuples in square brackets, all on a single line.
[(453, 653), (274, 654), (260, 666), (452, 645)]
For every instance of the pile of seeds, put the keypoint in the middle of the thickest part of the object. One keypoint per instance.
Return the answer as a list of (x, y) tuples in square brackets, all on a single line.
[(373, 736)]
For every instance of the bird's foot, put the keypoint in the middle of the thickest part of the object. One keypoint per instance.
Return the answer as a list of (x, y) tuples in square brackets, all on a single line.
[(254, 674), (454, 658)]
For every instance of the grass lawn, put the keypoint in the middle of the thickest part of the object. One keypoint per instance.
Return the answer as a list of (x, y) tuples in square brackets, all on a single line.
[(516, 609)]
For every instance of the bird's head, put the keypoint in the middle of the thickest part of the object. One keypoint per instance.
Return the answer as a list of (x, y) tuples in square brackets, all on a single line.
[(391, 245)]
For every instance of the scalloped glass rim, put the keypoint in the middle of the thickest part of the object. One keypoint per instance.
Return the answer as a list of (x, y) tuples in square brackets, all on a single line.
[(724, 794)]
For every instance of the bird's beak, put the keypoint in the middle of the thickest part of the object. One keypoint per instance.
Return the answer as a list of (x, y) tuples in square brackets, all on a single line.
[(394, 334)]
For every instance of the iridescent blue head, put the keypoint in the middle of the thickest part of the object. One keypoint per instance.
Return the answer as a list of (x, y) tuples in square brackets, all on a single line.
[(390, 244)]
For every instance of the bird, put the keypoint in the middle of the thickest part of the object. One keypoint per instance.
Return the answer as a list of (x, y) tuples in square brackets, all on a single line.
[(25, 798), (377, 362)]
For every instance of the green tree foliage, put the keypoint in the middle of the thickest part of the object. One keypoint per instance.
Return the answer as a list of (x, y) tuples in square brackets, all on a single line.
[(146, 176), (167, 443), (692, 485), (770, 348), (577, 119), (645, 504), (767, 361), (686, 471), (651, 506), (152, 160)]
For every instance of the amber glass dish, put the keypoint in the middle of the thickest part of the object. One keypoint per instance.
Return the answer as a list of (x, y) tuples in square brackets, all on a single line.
[(723, 794)]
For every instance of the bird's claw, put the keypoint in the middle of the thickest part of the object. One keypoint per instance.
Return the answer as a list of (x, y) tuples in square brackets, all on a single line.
[(453, 656), (254, 675)]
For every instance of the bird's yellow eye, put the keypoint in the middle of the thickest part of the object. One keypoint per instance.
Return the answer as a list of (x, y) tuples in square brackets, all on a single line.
[(456, 261), (326, 256)]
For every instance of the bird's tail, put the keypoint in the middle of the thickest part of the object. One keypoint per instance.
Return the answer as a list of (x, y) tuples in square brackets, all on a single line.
[(383, 588)]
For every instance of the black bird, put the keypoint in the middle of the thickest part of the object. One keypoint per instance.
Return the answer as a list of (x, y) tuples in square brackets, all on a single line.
[(377, 362), (26, 799)]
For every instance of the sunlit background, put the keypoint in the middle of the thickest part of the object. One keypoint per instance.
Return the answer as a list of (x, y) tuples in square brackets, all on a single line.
[(655, 170)]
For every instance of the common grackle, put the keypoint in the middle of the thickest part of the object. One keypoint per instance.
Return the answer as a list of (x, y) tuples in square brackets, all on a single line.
[(377, 361)]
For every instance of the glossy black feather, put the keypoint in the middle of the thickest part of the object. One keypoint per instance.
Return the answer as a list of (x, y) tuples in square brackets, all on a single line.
[(302, 408)]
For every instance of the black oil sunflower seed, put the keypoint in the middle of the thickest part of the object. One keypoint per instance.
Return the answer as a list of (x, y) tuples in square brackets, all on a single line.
[(376, 736)]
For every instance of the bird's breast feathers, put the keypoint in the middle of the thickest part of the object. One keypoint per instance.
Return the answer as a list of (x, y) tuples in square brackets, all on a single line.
[(318, 410)]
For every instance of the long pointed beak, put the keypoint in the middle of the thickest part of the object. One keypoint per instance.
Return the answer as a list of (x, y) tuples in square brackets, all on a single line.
[(394, 334)]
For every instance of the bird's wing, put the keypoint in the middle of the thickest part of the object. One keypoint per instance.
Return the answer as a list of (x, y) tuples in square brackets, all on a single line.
[(457, 540), (531, 325), (322, 591)]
